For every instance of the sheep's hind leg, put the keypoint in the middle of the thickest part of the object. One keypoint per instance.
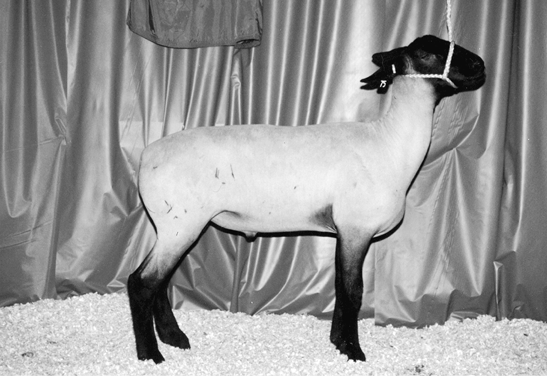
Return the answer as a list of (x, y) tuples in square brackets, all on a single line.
[(141, 293), (147, 290), (166, 324), (350, 255)]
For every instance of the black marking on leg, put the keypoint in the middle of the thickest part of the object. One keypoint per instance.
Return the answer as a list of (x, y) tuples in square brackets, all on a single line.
[(166, 324), (141, 296), (231, 169), (217, 173), (350, 254), (170, 206)]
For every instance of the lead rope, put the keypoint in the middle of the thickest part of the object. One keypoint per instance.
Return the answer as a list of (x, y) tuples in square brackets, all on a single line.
[(443, 76)]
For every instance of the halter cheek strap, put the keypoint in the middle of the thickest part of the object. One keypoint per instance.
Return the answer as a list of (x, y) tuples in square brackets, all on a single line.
[(443, 76)]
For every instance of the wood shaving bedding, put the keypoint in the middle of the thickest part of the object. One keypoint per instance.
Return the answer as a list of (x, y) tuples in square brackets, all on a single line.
[(92, 335)]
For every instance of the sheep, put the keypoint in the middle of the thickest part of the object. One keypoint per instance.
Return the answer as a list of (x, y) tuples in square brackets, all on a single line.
[(347, 179)]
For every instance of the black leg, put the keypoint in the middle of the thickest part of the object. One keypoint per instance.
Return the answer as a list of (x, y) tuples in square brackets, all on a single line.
[(141, 296), (147, 290), (350, 255), (166, 324)]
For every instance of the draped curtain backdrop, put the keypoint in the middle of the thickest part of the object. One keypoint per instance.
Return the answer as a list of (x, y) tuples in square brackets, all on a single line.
[(82, 96)]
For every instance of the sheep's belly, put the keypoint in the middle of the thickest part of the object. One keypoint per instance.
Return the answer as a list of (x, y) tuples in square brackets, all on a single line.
[(268, 222)]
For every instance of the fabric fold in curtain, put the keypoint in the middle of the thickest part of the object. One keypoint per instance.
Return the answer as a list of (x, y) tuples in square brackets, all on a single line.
[(522, 258), (91, 94), (197, 23), (32, 145)]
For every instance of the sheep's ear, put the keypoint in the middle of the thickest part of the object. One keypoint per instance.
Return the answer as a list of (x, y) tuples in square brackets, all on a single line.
[(391, 63), (385, 59), (378, 80)]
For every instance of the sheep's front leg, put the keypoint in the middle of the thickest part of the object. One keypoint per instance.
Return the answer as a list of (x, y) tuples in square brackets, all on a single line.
[(350, 255)]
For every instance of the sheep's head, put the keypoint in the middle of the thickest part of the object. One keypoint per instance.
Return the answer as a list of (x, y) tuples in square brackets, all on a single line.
[(427, 55)]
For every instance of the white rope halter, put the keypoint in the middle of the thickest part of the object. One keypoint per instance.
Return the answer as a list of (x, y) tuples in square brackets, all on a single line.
[(443, 76)]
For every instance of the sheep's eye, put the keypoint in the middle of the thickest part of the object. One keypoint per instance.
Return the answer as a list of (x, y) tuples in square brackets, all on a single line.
[(429, 57), (422, 54)]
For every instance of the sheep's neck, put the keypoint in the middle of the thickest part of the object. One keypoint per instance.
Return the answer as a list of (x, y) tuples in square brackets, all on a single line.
[(407, 125)]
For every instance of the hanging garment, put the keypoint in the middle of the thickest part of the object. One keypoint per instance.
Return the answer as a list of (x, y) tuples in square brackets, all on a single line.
[(197, 23)]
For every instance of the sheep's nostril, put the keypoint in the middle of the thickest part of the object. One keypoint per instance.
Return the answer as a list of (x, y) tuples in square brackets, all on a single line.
[(476, 64)]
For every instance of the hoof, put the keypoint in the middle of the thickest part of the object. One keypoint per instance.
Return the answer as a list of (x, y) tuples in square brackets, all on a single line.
[(175, 338), (156, 357), (352, 352), (181, 341)]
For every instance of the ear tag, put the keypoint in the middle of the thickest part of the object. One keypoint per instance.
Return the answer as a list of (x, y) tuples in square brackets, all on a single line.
[(384, 86), (393, 69)]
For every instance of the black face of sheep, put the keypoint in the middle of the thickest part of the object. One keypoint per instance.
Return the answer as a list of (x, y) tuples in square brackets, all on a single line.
[(427, 55)]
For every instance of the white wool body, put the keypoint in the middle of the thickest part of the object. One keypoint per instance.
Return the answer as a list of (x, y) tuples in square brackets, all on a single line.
[(263, 178)]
